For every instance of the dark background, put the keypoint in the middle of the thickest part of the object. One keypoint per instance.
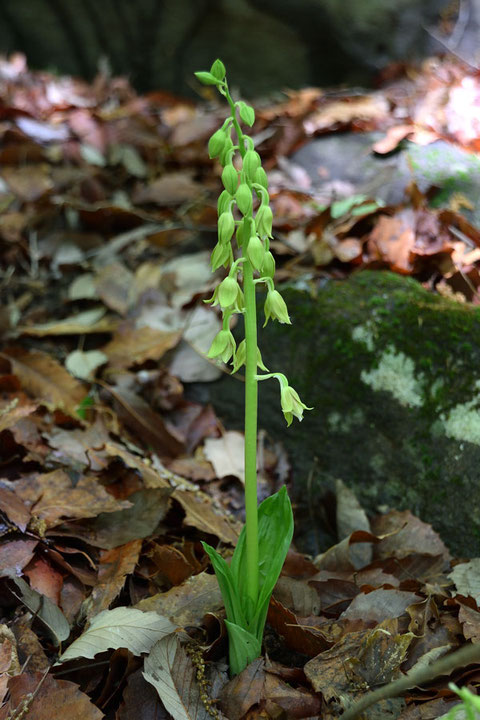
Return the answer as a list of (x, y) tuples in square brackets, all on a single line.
[(266, 44)]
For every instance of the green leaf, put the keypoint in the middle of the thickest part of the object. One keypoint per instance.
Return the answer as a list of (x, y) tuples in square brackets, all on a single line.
[(366, 209), (45, 610), (247, 113), (232, 598), (120, 628), (206, 78), (275, 530), (218, 70), (243, 647), (341, 207)]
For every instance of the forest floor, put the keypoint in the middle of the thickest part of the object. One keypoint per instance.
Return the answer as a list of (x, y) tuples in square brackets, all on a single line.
[(110, 478)]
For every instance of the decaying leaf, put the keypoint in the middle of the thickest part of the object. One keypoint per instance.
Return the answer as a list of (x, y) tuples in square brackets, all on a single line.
[(120, 628), (169, 669)]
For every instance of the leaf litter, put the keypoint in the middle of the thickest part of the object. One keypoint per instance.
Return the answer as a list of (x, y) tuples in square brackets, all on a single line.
[(111, 478)]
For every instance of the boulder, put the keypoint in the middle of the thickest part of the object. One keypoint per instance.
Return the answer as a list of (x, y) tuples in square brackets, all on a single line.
[(349, 166), (266, 44), (392, 371)]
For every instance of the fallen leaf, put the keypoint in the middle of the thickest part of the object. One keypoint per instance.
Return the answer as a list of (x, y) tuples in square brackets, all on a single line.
[(14, 555), (406, 534), (52, 698), (51, 615), (15, 510), (15, 409), (379, 605), (46, 380), (113, 568), (391, 140), (188, 603), (171, 563), (52, 496), (44, 578), (29, 182), (84, 364), (122, 627), (169, 669), (170, 189), (244, 691), (297, 703), (466, 578), (141, 701), (392, 240), (109, 530), (132, 346), (470, 620), (85, 323), (201, 513), (305, 640), (227, 454)]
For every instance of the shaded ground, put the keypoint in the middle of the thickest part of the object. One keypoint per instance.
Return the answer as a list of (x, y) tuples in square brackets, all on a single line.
[(110, 478)]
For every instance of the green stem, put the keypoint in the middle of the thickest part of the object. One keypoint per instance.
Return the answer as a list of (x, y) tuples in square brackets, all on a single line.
[(251, 401)]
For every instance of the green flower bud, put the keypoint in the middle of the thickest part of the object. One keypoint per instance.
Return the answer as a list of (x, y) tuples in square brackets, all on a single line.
[(223, 346), (230, 179), (216, 143), (206, 78), (240, 355), (220, 255), (247, 113), (268, 267), (223, 203), (228, 291), (261, 177), (263, 220), (218, 70), (243, 198), (244, 231), (251, 163), (255, 252), (275, 307), (291, 404), (224, 156), (226, 227)]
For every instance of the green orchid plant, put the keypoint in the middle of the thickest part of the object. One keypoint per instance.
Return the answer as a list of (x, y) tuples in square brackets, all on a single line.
[(248, 581)]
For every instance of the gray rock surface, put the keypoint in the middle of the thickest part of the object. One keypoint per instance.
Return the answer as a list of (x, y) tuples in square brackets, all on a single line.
[(349, 166), (393, 374)]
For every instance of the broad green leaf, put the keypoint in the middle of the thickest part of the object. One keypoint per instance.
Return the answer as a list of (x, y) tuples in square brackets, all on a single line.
[(275, 530), (45, 610), (228, 587), (340, 207), (120, 628), (169, 669), (243, 647)]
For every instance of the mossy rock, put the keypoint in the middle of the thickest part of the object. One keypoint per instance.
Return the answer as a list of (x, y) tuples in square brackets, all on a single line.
[(393, 373)]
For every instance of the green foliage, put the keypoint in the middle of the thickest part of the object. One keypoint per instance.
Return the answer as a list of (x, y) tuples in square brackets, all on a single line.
[(247, 583), (246, 621), (468, 709)]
